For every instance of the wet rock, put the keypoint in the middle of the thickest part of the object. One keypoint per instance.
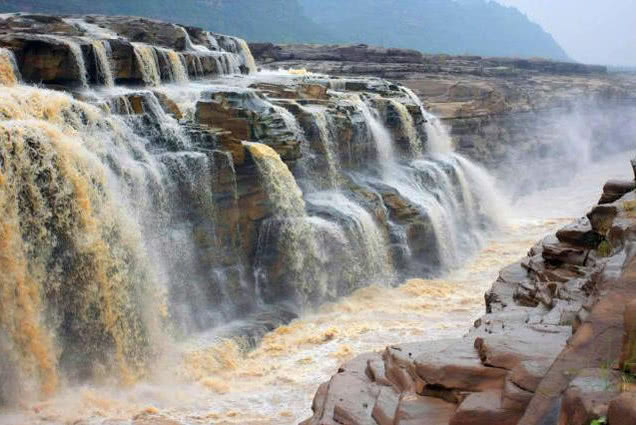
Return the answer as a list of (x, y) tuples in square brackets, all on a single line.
[(615, 189), (399, 361), (628, 353), (350, 399), (484, 408), (384, 411), (515, 397), (528, 373), (458, 368), (43, 59), (588, 396), (560, 252), (622, 410), (414, 409), (580, 233), (169, 106), (515, 345), (601, 218)]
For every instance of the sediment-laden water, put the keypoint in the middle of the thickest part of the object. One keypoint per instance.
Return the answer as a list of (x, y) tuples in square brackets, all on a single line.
[(154, 264)]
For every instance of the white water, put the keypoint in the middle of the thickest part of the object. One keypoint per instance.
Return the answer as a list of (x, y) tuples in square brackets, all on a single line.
[(439, 141), (102, 56), (408, 128), (381, 136), (327, 144), (148, 62)]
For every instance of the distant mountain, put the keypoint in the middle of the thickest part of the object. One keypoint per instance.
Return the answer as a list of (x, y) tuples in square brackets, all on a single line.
[(435, 26), (280, 21), (478, 27)]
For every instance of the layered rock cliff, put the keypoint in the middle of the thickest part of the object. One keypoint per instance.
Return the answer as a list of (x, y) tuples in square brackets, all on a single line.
[(503, 112)]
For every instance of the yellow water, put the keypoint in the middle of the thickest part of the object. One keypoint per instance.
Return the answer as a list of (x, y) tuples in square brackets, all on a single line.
[(52, 192), (208, 381), (148, 64), (203, 380), (222, 382), (8, 74)]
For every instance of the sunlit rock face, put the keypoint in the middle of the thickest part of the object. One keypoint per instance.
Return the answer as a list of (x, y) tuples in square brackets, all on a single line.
[(156, 187)]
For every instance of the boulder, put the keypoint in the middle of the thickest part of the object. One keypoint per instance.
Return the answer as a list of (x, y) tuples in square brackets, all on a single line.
[(484, 408), (615, 189), (515, 345), (601, 217), (44, 59), (386, 405), (528, 374), (457, 369), (580, 233), (399, 363), (515, 397), (622, 410), (414, 410), (588, 396)]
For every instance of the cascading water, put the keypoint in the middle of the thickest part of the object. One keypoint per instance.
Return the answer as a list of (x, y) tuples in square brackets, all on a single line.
[(380, 135), (175, 66), (101, 48), (407, 125), (294, 236), (326, 148), (130, 233), (439, 141), (9, 72), (148, 63), (246, 54)]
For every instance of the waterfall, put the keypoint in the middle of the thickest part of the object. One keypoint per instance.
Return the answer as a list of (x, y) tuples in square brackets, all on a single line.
[(76, 51), (408, 127), (246, 54), (439, 141), (189, 45), (101, 49), (213, 42), (127, 232), (9, 72), (281, 185), (178, 69), (100, 274), (327, 148), (290, 234), (367, 246), (148, 63), (380, 135)]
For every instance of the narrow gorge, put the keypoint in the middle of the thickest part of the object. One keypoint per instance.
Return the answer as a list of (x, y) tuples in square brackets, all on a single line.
[(187, 238)]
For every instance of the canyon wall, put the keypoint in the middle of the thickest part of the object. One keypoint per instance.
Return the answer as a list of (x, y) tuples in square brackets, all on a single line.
[(505, 113)]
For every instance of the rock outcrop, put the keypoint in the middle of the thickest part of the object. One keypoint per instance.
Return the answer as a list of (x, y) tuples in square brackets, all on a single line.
[(503, 112), (55, 50), (546, 349)]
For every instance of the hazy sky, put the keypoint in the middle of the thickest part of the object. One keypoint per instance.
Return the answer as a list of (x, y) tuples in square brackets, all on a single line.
[(590, 31)]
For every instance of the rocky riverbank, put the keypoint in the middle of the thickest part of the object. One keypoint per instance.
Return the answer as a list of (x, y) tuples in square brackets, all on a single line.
[(556, 344)]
